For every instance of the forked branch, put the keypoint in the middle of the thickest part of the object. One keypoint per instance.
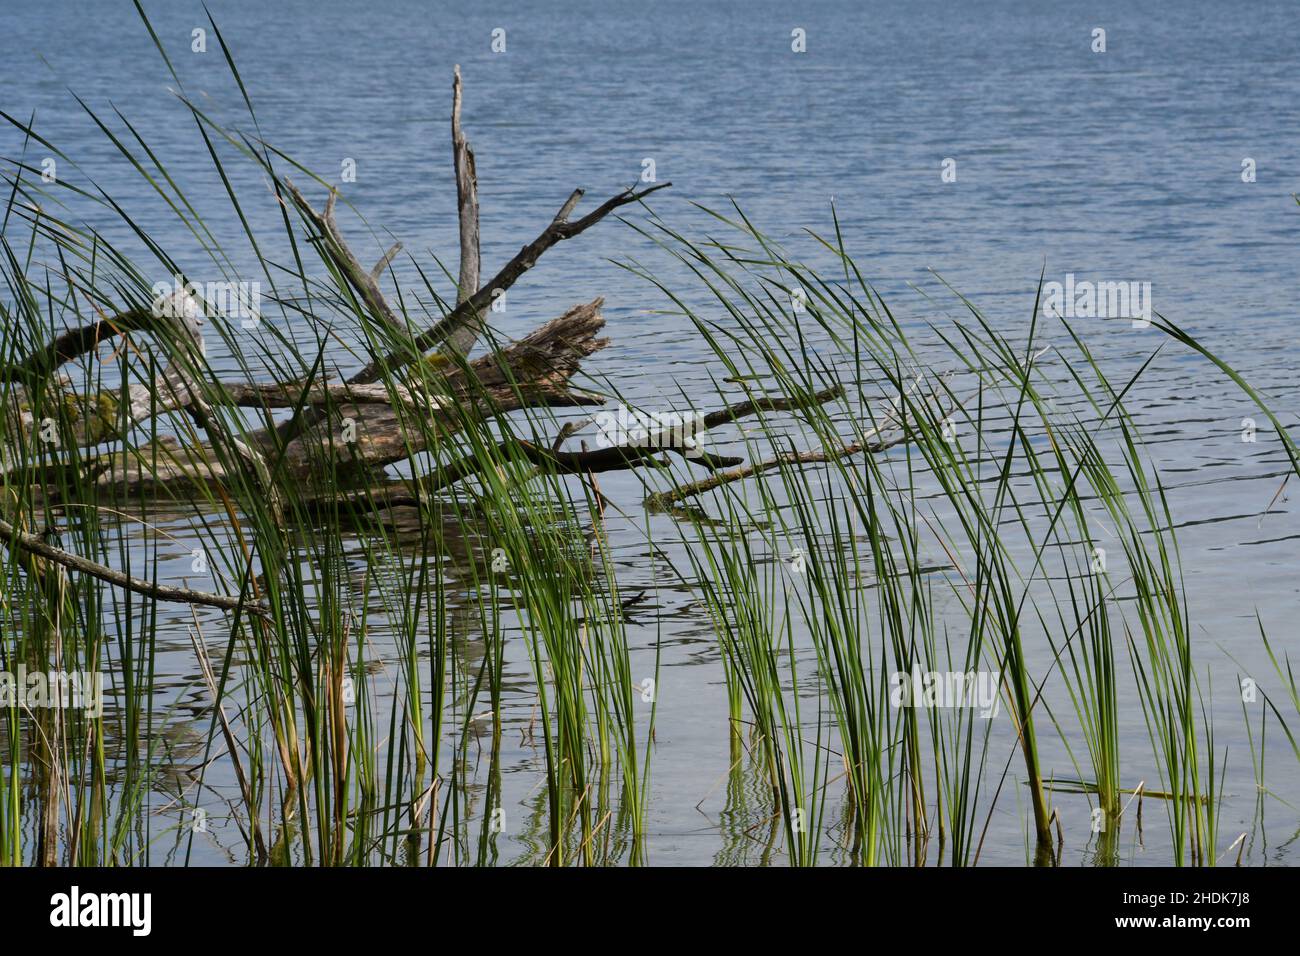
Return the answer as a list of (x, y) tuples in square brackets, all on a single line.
[(630, 454), (365, 281), (559, 229)]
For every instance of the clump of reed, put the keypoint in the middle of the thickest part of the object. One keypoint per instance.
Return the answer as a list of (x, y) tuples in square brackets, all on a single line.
[(916, 503), (990, 466)]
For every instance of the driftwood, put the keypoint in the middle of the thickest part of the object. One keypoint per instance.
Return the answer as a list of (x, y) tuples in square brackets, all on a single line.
[(534, 371), (471, 263)]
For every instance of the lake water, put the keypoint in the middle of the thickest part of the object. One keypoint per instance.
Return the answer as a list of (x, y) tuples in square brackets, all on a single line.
[(1122, 165)]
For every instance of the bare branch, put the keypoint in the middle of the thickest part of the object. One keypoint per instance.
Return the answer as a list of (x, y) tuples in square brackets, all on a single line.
[(38, 546), (365, 282), (570, 204), (693, 488), (628, 455), (616, 458), (378, 271), (556, 232), (290, 395), (461, 339), (565, 431), (871, 443), (743, 409), (75, 343)]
